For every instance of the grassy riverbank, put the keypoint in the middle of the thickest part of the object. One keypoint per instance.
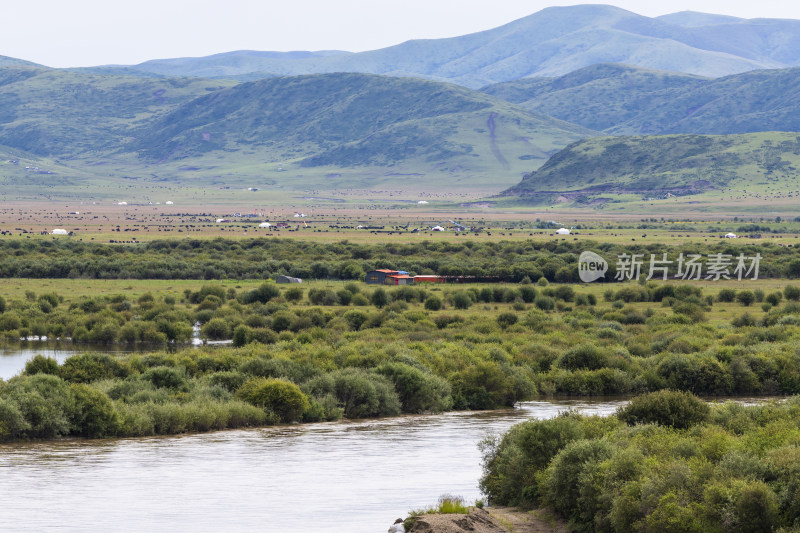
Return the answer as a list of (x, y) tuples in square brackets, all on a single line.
[(665, 462), (321, 352)]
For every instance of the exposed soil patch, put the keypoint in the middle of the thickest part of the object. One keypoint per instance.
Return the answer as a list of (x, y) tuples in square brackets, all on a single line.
[(491, 520)]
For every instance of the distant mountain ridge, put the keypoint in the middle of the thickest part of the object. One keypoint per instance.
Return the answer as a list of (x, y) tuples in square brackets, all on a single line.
[(551, 42), (624, 100)]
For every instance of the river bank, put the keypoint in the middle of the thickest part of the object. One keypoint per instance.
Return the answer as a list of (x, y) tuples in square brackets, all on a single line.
[(491, 520)]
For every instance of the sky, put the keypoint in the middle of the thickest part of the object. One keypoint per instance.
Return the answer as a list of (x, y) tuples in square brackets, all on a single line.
[(77, 33)]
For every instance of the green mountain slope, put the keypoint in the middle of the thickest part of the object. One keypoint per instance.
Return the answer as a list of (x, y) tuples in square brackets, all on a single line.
[(551, 42), (296, 133), (352, 120), (655, 166), (59, 112), (619, 99)]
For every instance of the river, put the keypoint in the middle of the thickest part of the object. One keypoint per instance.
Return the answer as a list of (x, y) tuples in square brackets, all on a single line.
[(348, 476)]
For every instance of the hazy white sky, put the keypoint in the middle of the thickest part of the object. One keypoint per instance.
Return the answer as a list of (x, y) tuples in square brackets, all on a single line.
[(61, 33)]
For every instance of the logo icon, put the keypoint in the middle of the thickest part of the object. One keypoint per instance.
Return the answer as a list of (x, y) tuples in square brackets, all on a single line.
[(591, 267)]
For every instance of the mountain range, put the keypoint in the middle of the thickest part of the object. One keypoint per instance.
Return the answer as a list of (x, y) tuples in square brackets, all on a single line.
[(200, 132), (551, 42), (555, 83), (625, 100)]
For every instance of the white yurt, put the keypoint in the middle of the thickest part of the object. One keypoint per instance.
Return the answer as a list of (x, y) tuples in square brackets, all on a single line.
[(562, 231), (59, 231)]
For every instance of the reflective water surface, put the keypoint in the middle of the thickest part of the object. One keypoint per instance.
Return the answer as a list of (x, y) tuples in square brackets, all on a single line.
[(338, 476), (13, 357)]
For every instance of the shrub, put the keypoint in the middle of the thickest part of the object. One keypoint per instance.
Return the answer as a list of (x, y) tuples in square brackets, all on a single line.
[(726, 295), (506, 319), (566, 475), (379, 298), (433, 303), (94, 414), (545, 303), (283, 398), (45, 403), (12, 421), (355, 318), (745, 297), (461, 300), (215, 329), (484, 385), (41, 365), (166, 377), (756, 508), (791, 292), (293, 294), (264, 293), (360, 393), (89, 367), (667, 408), (527, 293), (511, 464), (418, 391), (585, 356), (324, 297), (241, 335)]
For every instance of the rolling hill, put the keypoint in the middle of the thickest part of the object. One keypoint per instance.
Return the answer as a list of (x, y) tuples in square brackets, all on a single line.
[(624, 100), (352, 120), (321, 131), (599, 170), (52, 112), (551, 42)]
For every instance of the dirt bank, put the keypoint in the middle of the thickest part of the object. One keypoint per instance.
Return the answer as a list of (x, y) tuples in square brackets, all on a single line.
[(491, 520)]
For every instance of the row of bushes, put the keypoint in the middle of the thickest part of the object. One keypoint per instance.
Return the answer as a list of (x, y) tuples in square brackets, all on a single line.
[(260, 258)]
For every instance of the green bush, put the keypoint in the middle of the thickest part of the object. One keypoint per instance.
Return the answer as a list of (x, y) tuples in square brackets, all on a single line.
[(94, 414), (433, 303), (166, 377), (485, 385), (45, 402), (283, 398), (585, 356), (511, 464), (418, 391), (89, 367), (667, 408), (792, 293), (41, 365), (264, 293), (462, 300), (565, 478), (506, 319), (545, 303), (745, 297), (241, 335), (379, 298), (360, 393), (12, 420), (293, 294), (215, 329)]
